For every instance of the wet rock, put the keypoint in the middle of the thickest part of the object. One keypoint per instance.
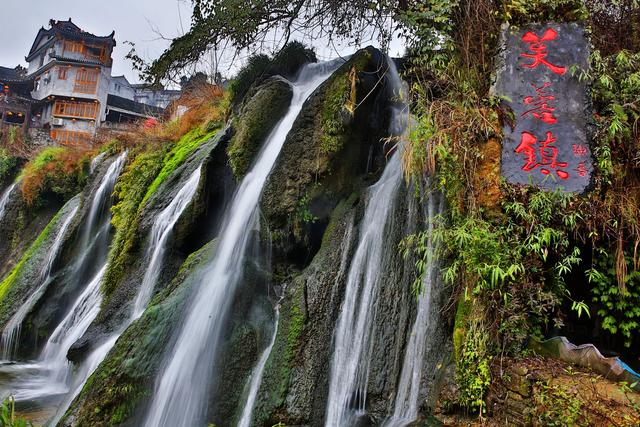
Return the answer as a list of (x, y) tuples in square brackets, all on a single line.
[(255, 121), (312, 174), (196, 226), (115, 393)]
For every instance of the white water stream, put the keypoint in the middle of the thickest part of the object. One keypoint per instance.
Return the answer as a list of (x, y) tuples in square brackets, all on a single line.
[(11, 332), (354, 335), (4, 199), (256, 377), (52, 374), (160, 232), (181, 390), (406, 405)]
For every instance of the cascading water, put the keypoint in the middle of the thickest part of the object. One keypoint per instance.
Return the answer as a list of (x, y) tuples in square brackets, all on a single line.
[(4, 199), (408, 389), (160, 232), (52, 374), (354, 334), (11, 333), (180, 394), (256, 377)]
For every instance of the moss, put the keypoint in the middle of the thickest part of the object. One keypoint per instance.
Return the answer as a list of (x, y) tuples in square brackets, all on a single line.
[(126, 377), (257, 119), (180, 151), (339, 104), (9, 281), (460, 327), (130, 191)]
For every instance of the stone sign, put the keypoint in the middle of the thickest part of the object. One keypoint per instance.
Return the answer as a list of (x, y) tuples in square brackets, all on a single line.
[(546, 145)]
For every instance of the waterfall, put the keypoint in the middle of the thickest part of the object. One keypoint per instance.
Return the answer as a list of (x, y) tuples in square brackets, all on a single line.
[(256, 377), (4, 199), (180, 393), (408, 389), (160, 232), (355, 331), (52, 373), (11, 333)]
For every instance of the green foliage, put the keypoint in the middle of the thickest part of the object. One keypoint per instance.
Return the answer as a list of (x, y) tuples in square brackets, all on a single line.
[(179, 152), (256, 67), (473, 373), (303, 213), (8, 415), (7, 163), (130, 191), (247, 24), (618, 309), (560, 406), (525, 11)]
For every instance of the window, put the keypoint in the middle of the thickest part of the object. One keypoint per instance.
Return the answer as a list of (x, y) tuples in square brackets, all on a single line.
[(36, 84), (82, 110), (73, 47), (69, 137), (86, 80), (62, 73), (94, 52)]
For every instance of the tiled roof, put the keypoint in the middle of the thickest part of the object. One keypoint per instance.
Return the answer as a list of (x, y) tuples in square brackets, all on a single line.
[(135, 107), (68, 30)]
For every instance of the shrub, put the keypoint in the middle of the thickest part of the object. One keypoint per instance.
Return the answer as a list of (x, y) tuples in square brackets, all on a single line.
[(8, 415), (59, 170), (7, 163)]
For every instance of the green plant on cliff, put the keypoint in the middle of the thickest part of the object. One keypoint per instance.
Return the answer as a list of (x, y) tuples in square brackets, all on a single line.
[(618, 309), (507, 260), (7, 163), (178, 153), (60, 171), (130, 191)]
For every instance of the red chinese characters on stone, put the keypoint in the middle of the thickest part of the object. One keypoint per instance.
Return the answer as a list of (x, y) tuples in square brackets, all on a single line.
[(541, 108), (581, 170), (538, 50), (548, 155), (579, 150)]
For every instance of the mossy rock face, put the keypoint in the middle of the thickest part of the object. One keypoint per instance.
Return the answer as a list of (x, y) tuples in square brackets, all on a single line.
[(196, 226), (295, 382), (325, 155), (20, 226), (257, 118), (114, 393), (50, 306), (26, 276)]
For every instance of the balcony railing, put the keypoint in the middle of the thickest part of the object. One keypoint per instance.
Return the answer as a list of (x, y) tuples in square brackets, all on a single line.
[(86, 88)]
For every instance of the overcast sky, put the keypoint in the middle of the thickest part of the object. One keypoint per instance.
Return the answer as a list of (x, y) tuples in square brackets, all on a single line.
[(137, 21), (132, 20)]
